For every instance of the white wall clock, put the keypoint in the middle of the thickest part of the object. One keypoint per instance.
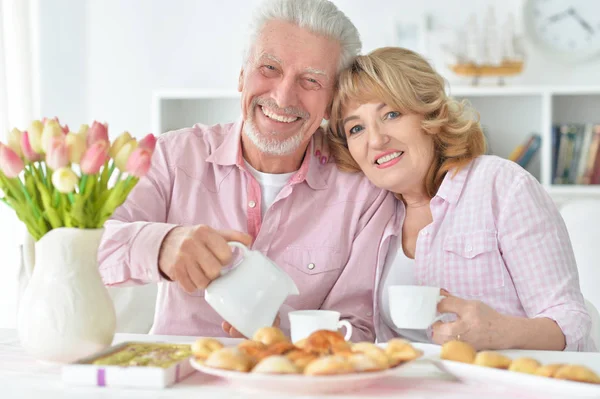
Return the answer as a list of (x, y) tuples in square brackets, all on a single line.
[(567, 29)]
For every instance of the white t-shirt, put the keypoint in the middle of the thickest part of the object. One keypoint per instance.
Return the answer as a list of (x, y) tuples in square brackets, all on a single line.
[(270, 185), (399, 270)]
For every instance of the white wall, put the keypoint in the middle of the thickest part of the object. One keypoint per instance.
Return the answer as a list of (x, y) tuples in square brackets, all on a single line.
[(101, 59)]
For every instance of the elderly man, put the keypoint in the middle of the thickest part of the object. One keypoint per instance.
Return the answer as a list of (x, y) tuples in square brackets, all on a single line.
[(257, 182)]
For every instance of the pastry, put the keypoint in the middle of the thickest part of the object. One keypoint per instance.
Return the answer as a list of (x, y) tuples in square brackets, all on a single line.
[(363, 363), (548, 370), (229, 359), (251, 348), (524, 365), (328, 365), (577, 373), (458, 351), (373, 351), (399, 351), (276, 365), (301, 343), (301, 358), (279, 348), (269, 335), (203, 347), (492, 359), (325, 342)]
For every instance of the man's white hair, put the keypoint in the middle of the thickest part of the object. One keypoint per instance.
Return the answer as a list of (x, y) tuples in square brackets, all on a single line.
[(321, 17)]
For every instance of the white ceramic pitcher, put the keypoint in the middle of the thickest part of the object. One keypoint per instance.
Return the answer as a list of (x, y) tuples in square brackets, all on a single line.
[(249, 295)]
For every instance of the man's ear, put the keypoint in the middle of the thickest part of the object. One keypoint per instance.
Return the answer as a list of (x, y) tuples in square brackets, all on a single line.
[(241, 80)]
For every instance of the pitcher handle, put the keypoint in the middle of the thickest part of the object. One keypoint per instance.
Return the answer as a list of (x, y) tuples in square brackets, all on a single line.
[(240, 246)]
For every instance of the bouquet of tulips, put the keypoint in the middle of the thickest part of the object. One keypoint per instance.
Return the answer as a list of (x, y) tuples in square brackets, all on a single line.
[(55, 178)]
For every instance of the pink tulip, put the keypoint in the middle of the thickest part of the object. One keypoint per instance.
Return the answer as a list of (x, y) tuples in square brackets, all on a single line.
[(10, 163), (94, 157), (148, 142), (28, 151), (57, 155), (98, 132), (138, 163)]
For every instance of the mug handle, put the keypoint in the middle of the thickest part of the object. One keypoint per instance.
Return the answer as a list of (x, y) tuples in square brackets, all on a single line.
[(346, 323), (240, 246)]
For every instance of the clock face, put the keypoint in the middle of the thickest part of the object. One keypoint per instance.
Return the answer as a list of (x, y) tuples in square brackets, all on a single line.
[(567, 27)]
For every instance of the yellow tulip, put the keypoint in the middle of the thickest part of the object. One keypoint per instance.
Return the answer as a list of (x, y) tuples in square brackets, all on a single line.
[(124, 153), (76, 146), (123, 139), (14, 141), (35, 136), (65, 180), (51, 129)]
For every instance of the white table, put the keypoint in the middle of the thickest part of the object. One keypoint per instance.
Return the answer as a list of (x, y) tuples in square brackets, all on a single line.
[(23, 377)]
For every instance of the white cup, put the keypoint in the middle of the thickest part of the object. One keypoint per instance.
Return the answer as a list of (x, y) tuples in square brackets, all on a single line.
[(414, 306), (305, 322)]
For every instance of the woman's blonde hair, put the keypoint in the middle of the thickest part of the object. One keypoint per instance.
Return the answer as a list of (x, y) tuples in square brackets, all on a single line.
[(406, 82)]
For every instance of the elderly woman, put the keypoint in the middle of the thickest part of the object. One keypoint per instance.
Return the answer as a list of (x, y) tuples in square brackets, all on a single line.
[(479, 226)]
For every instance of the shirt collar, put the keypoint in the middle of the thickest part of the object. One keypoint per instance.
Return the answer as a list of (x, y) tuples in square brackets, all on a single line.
[(229, 153), (453, 184)]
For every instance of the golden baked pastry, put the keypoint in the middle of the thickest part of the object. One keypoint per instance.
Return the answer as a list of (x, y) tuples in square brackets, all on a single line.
[(328, 365), (373, 351), (458, 351), (251, 348), (301, 343), (325, 342), (363, 363), (203, 347), (399, 351), (492, 359), (269, 335), (229, 359), (577, 373), (524, 365), (279, 348), (548, 370), (301, 358), (276, 365)]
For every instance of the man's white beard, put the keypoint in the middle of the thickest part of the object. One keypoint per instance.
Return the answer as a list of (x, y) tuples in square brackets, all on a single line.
[(271, 146)]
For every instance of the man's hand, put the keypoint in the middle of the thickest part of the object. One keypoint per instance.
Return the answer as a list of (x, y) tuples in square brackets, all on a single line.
[(193, 256), (233, 333)]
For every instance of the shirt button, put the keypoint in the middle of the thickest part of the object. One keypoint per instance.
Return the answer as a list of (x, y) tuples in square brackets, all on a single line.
[(251, 204), (311, 266), (424, 232), (369, 314), (468, 248)]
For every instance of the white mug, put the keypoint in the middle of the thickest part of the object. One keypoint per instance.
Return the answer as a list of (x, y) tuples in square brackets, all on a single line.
[(305, 322), (414, 306)]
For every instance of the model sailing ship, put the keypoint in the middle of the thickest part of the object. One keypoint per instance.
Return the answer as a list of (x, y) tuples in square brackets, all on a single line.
[(487, 52)]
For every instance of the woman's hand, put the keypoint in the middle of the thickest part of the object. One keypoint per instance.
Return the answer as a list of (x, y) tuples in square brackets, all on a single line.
[(321, 146), (476, 323)]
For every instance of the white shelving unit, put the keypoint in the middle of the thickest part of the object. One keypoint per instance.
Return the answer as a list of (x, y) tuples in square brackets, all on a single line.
[(508, 114)]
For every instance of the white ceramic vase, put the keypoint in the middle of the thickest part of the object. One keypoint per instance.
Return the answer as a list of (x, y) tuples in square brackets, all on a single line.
[(65, 312)]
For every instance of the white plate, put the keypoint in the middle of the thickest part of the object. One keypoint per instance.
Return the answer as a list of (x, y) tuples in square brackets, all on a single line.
[(298, 383), (469, 373)]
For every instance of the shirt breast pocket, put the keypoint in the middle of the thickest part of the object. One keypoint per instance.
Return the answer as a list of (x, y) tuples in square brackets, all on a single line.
[(473, 265), (314, 261)]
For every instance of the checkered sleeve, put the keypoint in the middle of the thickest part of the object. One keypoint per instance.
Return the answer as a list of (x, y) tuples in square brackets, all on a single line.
[(537, 251)]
